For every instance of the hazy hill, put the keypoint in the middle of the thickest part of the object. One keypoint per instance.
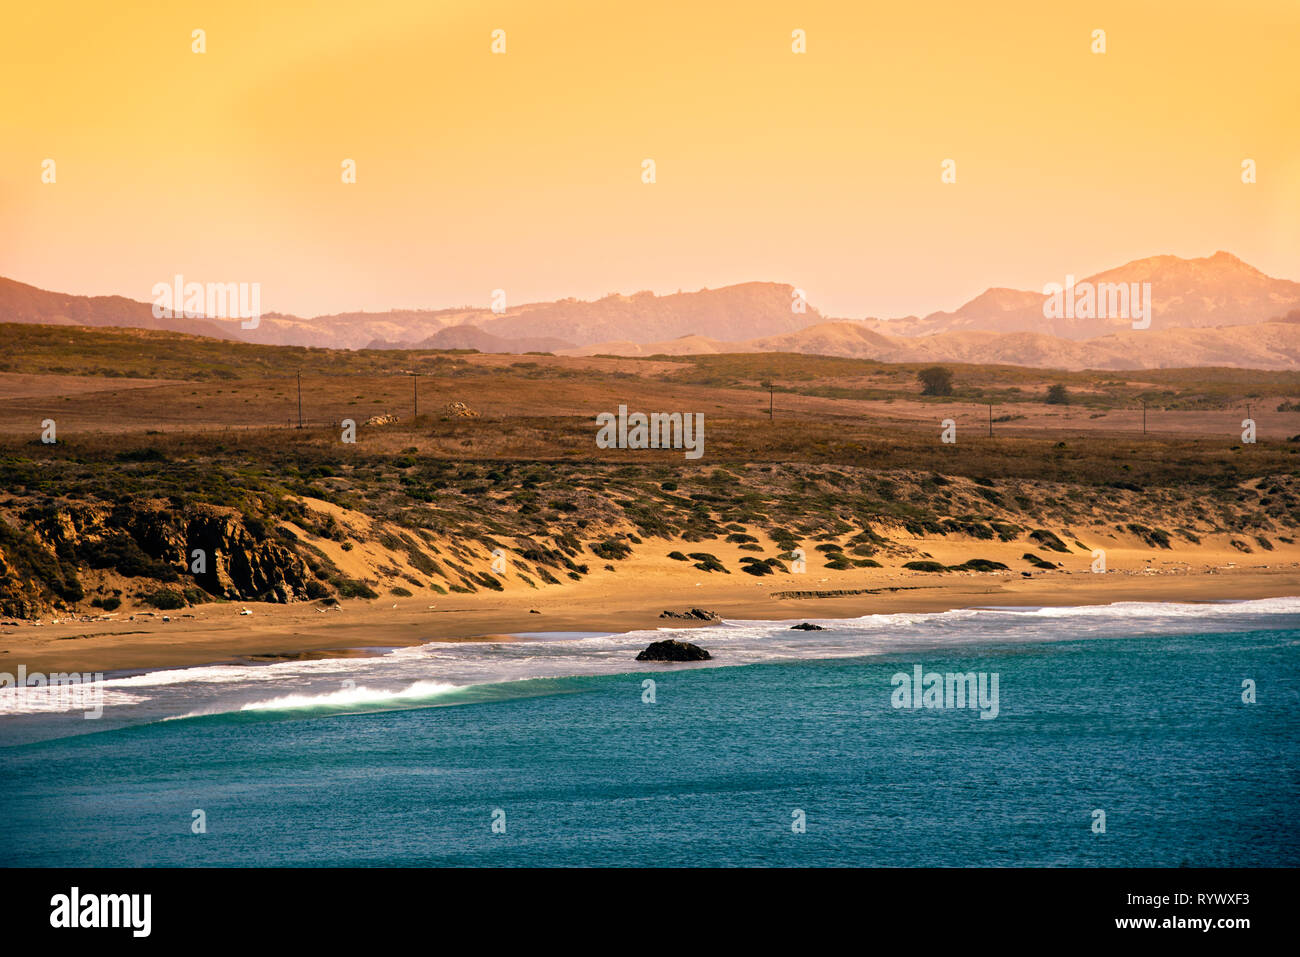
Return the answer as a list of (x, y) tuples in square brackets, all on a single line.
[(20, 302), (741, 311), (472, 337), (1218, 290), (1201, 307), (1269, 345)]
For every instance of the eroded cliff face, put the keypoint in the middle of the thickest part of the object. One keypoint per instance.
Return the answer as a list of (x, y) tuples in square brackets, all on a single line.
[(21, 594), (46, 551)]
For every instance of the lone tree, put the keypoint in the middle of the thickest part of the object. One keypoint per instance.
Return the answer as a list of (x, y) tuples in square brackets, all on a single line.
[(935, 380), (1056, 395)]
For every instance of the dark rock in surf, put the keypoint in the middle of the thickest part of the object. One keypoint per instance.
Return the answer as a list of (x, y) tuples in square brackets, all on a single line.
[(805, 626), (673, 650), (695, 614)]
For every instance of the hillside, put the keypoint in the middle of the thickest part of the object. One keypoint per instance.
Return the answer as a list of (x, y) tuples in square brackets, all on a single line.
[(1218, 290), (748, 309), (168, 443), (20, 302), (1199, 306), (1269, 345)]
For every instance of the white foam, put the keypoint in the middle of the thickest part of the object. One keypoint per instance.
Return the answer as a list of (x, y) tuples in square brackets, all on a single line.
[(347, 697), (61, 699), (415, 673)]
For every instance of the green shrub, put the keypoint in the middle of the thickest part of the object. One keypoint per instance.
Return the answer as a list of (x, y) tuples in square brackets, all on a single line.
[(922, 566), (351, 588), (707, 562), (1049, 540), (611, 548), (980, 565), (166, 599)]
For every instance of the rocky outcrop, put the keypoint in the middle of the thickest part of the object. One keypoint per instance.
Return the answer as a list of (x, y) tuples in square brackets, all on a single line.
[(695, 614), (239, 566), (673, 650), (32, 578), (805, 626), (219, 549)]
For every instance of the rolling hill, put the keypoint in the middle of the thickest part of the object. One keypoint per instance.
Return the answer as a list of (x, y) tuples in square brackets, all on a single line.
[(1201, 308), (1268, 345)]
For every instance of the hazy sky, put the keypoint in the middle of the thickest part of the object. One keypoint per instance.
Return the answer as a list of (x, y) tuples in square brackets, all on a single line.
[(522, 171)]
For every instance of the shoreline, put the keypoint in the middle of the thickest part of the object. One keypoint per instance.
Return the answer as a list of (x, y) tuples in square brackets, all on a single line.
[(218, 634)]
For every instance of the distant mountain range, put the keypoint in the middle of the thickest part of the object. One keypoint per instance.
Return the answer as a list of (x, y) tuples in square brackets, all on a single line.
[(1218, 290), (1265, 345), (1198, 310)]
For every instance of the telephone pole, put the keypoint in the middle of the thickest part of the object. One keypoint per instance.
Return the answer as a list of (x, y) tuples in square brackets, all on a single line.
[(300, 398), (415, 395), (1144, 416), (990, 420)]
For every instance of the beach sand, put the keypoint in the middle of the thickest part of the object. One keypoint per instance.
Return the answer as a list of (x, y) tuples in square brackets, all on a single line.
[(633, 596)]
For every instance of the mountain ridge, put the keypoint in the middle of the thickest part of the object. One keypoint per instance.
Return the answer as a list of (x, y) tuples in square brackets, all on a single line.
[(1219, 291)]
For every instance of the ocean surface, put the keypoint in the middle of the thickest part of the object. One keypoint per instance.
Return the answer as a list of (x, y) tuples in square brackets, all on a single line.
[(790, 748)]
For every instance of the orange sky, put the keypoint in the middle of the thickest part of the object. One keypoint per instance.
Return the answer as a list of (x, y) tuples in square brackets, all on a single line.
[(522, 171)]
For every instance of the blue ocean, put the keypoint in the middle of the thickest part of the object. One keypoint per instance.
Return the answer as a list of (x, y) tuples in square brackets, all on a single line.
[(1177, 722)]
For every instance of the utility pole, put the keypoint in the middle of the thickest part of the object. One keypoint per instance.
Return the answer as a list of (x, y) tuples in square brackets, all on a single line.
[(1144, 416), (300, 398), (990, 420), (771, 400), (415, 395)]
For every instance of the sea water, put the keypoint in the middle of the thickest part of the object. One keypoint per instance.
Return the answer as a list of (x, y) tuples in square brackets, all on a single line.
[(1179, 723)]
